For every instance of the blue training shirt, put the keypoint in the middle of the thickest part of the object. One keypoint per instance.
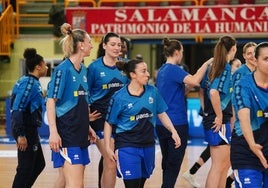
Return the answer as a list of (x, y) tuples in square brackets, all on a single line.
[(70, 88), (134, 117), (103, 82), (222, 83), (248, 95), (239, 73), (169, 82), (26, 108)]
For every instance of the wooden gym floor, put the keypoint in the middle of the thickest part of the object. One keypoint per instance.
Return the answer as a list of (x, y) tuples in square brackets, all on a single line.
[(8, 162)]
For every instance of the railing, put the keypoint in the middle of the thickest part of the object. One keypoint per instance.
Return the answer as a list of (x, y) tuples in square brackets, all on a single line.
[(148, 2), (215, 2), (5, 4), (99, 3), (7, 34), (31, 14), (89, 3)]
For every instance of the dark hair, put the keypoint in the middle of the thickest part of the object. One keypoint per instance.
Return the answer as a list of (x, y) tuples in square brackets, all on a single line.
[(139, 57), (170, 46), (259, 47), (124, 39), (109, 35), (32, 58), (105, 40), (101, 51), (221, 50), (128, 67), (71, 39)]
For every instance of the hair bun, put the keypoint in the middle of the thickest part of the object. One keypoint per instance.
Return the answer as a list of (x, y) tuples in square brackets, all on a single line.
[(120, 65), (29, 53), (66, 29)]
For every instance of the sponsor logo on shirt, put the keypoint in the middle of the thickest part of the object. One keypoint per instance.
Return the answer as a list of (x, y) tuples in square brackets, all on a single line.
[(259, 113), (143, 116), (140, 116), (80, 93), (112, 85), (132, 118), (130, 105)]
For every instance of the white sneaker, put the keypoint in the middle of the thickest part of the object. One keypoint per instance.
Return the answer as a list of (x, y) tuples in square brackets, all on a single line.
[(191, 179)]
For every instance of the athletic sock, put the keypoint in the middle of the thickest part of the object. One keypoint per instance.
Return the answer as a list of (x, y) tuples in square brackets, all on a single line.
[(194, 168), (229, 182)]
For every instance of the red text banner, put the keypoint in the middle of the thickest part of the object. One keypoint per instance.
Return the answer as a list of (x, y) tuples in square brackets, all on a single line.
[(140, 22)]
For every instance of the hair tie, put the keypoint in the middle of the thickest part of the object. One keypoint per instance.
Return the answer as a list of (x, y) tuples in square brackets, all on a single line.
[(69, 31)]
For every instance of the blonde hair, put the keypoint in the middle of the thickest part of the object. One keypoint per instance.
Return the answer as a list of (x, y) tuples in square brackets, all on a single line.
[(71, 38)]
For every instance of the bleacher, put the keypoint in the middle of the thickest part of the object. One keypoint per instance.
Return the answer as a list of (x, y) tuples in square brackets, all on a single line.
[(32, 16), (35, 13), (7, 34), (142, 3)]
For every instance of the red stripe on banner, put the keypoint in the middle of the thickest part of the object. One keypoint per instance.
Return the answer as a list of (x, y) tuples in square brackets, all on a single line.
[(189, 21)]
